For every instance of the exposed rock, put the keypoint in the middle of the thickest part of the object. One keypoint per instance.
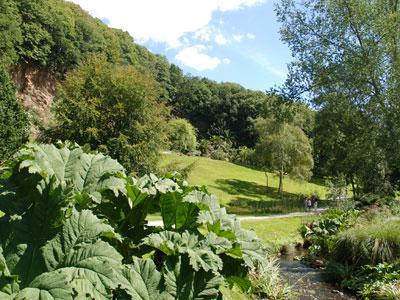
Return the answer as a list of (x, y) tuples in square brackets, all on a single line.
[(36, 88)]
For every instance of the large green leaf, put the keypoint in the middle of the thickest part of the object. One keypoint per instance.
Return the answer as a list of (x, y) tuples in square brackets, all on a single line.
[(142, 280), (5, 296), (82, 228), (182, 282), (48, 286), (199, 253), (175, 213), (8, 283), (90, 265), (85, 172), (25, 232)]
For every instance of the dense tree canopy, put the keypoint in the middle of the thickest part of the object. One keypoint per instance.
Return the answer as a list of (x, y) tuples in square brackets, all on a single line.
[(347, 62), (115, 109), (58, 36), (219, 109)]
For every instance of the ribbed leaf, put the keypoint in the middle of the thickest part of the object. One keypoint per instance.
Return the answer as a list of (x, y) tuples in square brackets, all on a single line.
[(48, 286), (176, 213), (85, 172), (181, 282), (90, 265), (199, 253), (82, 228), (142, 279)]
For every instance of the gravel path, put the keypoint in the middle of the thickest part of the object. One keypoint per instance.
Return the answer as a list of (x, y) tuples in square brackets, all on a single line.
[(255, 218)]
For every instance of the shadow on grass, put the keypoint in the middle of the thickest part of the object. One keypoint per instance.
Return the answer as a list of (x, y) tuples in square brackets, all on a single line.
[(253, 198), (261, 207), (251, 189)]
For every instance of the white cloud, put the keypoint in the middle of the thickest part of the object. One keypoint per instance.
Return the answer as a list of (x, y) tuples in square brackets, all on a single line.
[(220, 39), (238, 37), (195, 58), (226, 61), (226, 5), (160, 20), (250, 36), (204, 34), (262, 60)]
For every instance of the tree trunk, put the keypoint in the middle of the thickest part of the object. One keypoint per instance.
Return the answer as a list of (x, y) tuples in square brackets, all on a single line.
[(353, 187), (266, 179), (280, 189)]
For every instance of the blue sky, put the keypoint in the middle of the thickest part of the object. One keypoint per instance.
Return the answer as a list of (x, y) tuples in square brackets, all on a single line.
[(224, 40)]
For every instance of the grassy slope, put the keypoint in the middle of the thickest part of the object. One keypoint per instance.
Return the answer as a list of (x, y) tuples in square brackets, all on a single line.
[(243, 189), (279, 231)]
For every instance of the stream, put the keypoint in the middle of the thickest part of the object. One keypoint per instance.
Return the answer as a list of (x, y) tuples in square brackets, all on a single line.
[(308, 282)]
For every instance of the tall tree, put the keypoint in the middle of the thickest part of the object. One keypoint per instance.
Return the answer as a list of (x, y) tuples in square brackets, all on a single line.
[(113, 108), (10, 32), (13, 120), (347, 53), (284, 148)]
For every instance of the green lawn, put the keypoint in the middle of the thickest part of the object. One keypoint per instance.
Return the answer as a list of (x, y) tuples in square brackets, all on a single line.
[(278, 231), (243, 190)]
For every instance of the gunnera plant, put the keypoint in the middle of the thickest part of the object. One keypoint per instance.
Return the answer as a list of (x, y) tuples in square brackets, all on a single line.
[(73, 226)]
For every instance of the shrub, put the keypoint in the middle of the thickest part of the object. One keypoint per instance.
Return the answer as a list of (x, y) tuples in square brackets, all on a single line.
[(13, 119), (337, 188), (182, 136), (374, 199), (245, 156), (320, 234), (115, 109), (268, 283), (217, 148), (74, 226), (379, 281)]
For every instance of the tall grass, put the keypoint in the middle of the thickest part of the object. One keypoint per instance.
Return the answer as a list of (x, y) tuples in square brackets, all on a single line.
[(369, 243)]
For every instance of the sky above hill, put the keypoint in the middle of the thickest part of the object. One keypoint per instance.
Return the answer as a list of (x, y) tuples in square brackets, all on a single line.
[(224, 40)]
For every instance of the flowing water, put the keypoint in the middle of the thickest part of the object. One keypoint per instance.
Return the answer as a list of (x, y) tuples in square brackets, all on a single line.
[(308, 282)]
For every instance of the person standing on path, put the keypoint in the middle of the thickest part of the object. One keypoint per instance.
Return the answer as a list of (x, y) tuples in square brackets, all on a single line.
[(315, 204), (309, 204)]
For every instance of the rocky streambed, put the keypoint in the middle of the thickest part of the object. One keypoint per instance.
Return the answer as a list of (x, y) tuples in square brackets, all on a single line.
[(307, 282)]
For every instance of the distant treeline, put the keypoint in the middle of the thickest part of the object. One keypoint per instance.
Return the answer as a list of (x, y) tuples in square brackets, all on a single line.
[(57, 35)]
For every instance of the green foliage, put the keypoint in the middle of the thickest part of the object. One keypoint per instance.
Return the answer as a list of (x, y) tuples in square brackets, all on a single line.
[(14, 129), (371, 281), (218, 148), (268, 283), (347, 63), (115, 109), (337, 189), (74, 226), (320, 235), (182, 136), (10, 32), (215, 109), (361, 249), (58, 36), (371, 243), (284, 148), (246, 156)]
